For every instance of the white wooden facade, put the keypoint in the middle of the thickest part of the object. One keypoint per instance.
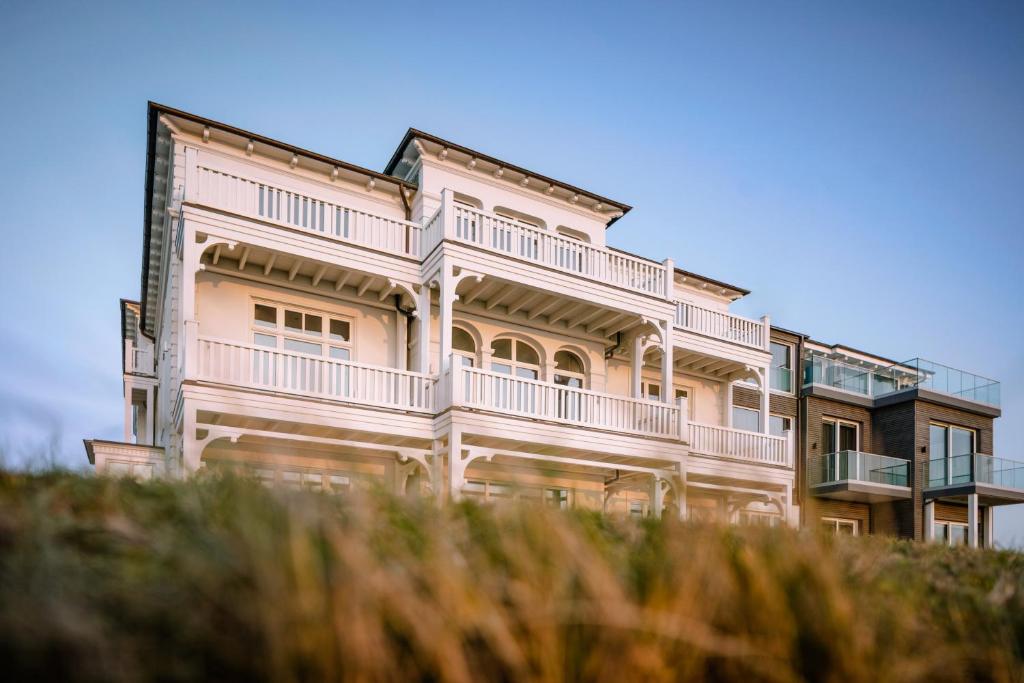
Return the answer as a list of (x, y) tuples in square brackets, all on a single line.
[(457, 327)]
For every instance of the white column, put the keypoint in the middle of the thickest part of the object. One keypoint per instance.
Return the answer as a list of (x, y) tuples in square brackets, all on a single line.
[(637, 365), (191, 455), (150, 421), (988, 522), (189, 330), (765, 402), (727, 405), (456, 468), (448, 297), (767, 326), (657, 496), (972, 520), (127, 412), (929, 520), (670, 283), (401, 341), (423, 331), (667, 368)]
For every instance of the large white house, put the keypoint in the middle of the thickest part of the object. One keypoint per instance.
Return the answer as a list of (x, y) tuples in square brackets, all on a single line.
[(455, 325)]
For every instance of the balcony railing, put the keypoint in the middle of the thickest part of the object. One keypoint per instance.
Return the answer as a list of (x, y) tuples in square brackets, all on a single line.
[(974, 468), (857, 466), (482, 389), (740, 444), (528, 243), (721, 325), (138, 361), (315, 214), (946, 380), (258, 367)]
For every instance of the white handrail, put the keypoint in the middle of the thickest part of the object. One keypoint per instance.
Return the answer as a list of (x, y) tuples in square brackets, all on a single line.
[(503, 393), (280, 205), (737, 443), (726, 326), (259, 367), (496, 233)]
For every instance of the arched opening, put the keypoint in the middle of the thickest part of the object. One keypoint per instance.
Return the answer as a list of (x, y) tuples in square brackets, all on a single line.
[(515, 357), (464, 346), (569, 370)]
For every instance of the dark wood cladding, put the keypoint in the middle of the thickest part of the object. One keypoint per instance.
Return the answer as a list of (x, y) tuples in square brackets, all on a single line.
[(778, 404)]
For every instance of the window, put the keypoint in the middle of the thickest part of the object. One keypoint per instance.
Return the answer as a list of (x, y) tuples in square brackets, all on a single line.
[(569, 372), (746, 419), (839, 435), (289, 328), (557, 498), (513, 357), (758, 518), (464, 346), (781, 376), (636, 508), (650, 390), (839, 527), (950, 452), (779, 425), (951, 533)]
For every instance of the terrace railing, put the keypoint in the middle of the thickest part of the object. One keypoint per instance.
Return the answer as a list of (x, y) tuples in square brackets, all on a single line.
[(722, 325), (832, 468), (741, 444)]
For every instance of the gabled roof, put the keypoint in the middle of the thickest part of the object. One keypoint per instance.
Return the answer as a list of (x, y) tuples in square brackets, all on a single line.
[(414, 134)]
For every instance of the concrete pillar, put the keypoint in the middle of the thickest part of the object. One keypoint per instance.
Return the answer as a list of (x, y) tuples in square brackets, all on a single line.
[(972, 520), (929, 520)]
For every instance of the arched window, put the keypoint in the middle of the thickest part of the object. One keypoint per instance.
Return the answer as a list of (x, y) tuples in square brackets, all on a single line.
[(464, 346), (514, 357), (569, 370)]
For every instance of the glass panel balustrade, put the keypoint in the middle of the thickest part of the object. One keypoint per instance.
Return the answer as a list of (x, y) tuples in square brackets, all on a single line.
[(857, 466)]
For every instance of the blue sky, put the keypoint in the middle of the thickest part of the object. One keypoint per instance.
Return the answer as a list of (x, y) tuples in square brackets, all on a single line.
[(859, 166)]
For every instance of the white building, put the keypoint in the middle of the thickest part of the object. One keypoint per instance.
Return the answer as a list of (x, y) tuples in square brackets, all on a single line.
[(456, 325)]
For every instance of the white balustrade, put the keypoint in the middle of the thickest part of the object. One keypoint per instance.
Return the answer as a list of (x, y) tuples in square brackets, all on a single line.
[(518, 240), (726, 326), (740, 444), (138, 361), (475, 388), (264, 368), (294, 209)]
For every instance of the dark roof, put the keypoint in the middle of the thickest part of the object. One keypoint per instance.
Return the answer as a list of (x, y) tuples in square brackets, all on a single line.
[(713, 281), (414, 133)]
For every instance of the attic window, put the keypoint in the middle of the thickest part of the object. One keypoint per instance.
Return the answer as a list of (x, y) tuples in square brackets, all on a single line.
[(519, 217)]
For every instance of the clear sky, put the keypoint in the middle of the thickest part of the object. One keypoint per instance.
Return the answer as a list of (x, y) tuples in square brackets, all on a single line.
[(859, 166)]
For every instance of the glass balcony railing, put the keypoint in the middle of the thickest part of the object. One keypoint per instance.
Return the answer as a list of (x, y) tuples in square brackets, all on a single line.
[(874, 381), (974, 468), (857, 466), (947, 380)]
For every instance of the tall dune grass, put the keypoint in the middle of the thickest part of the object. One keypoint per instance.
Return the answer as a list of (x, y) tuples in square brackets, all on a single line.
[(221, 579)]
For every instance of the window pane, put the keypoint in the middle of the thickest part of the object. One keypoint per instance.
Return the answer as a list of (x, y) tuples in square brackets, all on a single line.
[(526, 373), (778, 425), (958, 534), (339, 354), (503, 368), (847, 437), (293, 320), (569, 362), (745, 418), (265, 316), (526, 354), (303, 347), (340, 330), (265, 340), (653, 391), (566, 381), (780, 355), (463, 341), (936, 442), (502, 348), (963, 441), (314, 324)]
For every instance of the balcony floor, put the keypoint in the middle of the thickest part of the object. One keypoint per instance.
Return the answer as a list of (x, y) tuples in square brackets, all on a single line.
[(861, 491)]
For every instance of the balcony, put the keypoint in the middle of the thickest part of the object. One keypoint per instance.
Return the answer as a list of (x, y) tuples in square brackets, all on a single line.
[(322, 214), (997, 481), (724, 326), (258, 367), (531, 244), (138, 361), (871, 381), (501, 393), (762, 449), (857, 476)]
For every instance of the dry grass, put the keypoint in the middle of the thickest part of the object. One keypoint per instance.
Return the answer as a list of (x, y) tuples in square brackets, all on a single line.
[(222, 579)]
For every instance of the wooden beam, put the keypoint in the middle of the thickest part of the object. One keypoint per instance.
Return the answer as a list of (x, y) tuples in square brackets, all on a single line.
[(318, 275), (245, 258), (387, 289), (566, 312), (365, 284), (621, 326), (342, 279), (537, 312), (500, 296), (269, 266), (587, 317), (612, 318), (475, 293), (523, 302), (216, 254), (295, 269)]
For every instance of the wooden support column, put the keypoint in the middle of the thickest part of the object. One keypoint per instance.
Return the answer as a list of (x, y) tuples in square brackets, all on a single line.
[(423, 331), (401, 341), (637, 365), (765, 401), (667, 375), (446, 283)]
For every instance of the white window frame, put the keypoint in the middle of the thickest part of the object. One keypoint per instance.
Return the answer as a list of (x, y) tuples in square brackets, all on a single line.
[(948, 540), (581, 376), (280, 332), (792, 369), (838, 421), (836, 522), (732, 418), (514, 362)]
